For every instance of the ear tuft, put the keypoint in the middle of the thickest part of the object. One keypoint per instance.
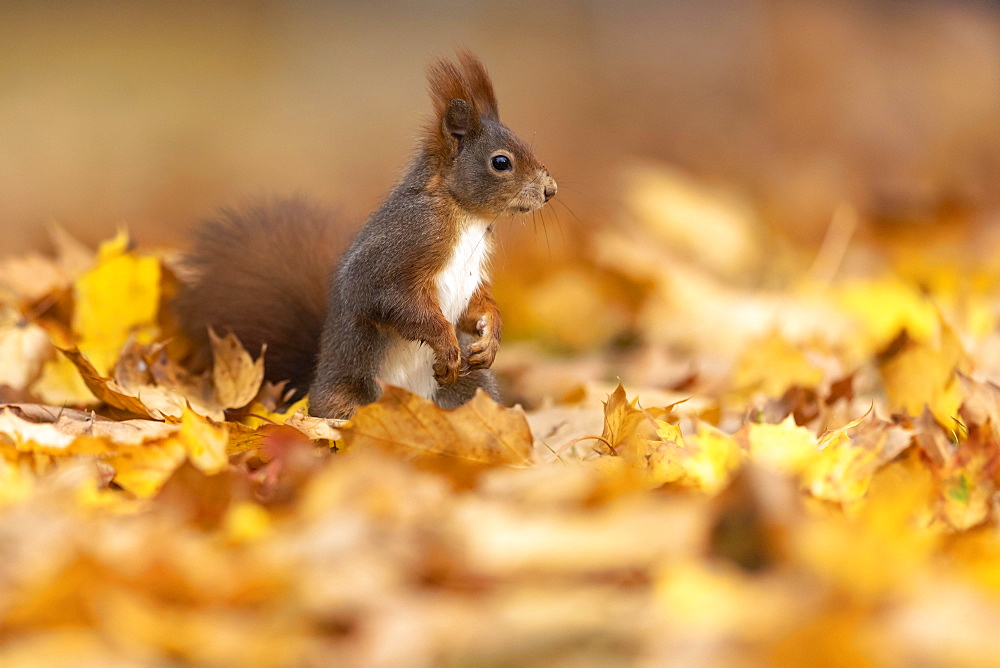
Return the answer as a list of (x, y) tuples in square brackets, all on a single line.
[(446, 83), (462, 94), (478, 82)]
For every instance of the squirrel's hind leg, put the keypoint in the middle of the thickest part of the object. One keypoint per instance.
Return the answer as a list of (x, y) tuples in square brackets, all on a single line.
[(453, 396), (462, 390)]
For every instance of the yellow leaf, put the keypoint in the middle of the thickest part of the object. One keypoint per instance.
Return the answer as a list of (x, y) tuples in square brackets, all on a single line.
[(848, 457), (118, 298), (885, 307), (16, 484), (621, 420), (715, 457), (920, 374), (657, 450), (61, 384), (246, 521), (65, 431), (142, 471), (205, 442), (882, 546), (785, 447), (258, 415), (774, 364)]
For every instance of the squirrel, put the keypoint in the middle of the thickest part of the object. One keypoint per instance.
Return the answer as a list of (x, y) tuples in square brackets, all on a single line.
[(409, 303)]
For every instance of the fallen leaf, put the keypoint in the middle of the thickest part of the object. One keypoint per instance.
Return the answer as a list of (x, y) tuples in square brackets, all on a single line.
[(143, 471), (480, 432), (62, 384), (109, 391), (237, 376), (918, 374), (772, 365), (58, 428), (205, 442), (24, 347), (115, 300), (786, 447), (849, 456)]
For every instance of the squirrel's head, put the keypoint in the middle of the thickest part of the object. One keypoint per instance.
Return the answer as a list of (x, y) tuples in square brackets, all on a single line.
[(481, 164)]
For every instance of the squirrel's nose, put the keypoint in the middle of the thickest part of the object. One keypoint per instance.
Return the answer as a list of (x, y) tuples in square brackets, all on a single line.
[(550, 188)]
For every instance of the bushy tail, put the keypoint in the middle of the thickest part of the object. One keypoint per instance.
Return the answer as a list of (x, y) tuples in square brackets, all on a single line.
[(262, 272)]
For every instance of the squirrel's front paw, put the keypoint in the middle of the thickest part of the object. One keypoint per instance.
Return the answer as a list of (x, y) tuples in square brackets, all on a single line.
[(483, 351), (447, 364)]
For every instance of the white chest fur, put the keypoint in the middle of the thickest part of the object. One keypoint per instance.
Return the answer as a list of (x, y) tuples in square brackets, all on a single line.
[(409, 364)]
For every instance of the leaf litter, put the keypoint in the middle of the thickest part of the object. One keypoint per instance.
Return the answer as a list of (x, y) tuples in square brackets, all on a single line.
[(808, 469)]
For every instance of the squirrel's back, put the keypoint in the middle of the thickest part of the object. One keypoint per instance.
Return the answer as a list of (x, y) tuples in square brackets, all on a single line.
[(262, 272)]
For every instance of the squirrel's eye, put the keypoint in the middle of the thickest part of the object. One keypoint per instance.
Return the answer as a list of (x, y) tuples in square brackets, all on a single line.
[(501, 163)]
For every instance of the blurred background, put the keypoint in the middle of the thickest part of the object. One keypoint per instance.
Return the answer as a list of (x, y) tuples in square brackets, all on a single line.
[(762, 118)]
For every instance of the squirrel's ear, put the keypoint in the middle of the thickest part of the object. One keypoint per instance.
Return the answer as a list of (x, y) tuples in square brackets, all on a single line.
[(458, 119), (456, 116)]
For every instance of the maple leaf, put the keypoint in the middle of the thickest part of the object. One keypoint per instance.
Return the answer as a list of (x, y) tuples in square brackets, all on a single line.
[(61, 383), (774, 364), (115, 300), (46, 428), (480, 432), (656, 447), (111, 392), (236, 375), (886, 307), (205, 442), (849, 456), (786, 447), (918, 374)]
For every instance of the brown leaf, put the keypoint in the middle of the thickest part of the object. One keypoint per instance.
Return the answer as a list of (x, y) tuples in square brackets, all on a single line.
[(59, 428), (932, 439), (316, 429), (480, 432), (237, 376), (981, 405), (108, 390)]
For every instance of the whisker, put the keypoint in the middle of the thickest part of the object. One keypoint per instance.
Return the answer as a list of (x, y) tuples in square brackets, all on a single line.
[(489, 227), (559, 226), (573, 189), (545, 229), (571, 212)]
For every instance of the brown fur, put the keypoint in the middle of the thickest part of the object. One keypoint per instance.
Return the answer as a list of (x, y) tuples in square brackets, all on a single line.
[(262, 273)]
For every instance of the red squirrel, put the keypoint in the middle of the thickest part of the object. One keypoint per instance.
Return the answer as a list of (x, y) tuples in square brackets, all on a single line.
[(409, 302)]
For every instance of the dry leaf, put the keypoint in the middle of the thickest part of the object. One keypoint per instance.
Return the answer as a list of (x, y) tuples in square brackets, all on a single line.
[(236, 375), (480, 432), (54, 427), (108, 390), (24, 347)]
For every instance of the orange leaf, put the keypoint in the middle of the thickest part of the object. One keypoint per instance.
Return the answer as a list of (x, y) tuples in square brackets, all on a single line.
[(480, 432)]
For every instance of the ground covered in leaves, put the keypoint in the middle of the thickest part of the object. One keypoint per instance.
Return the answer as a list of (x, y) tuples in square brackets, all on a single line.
[(799, 465)]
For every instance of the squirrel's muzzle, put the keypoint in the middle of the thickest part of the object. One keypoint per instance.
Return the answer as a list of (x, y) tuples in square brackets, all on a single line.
[(549, 187)]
